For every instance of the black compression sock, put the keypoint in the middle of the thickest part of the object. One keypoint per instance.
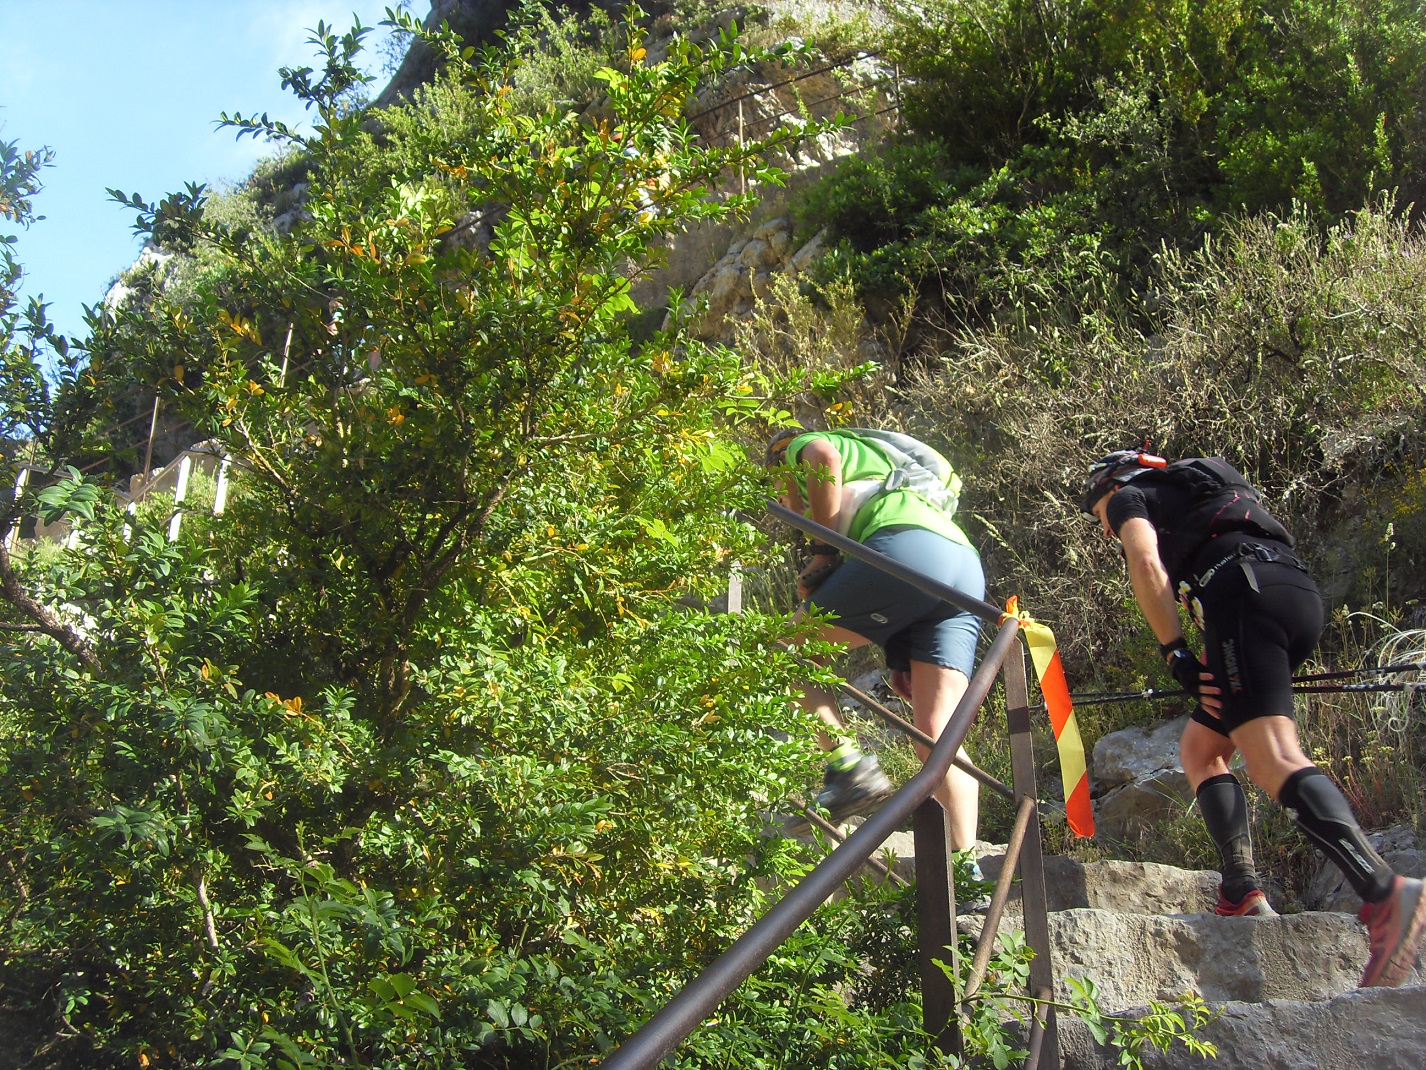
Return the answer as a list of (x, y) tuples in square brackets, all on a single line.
[(1321, 811), (1225, 811)]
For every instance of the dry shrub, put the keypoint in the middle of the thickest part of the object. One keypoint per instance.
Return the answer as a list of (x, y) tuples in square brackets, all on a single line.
[(1295, 355), (800, 338), (1373, 744)]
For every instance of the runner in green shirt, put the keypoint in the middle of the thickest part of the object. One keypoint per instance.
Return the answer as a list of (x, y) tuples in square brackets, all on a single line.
[(929, 645)]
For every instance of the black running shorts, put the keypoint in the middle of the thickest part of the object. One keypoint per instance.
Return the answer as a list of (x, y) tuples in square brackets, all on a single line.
[(1255, 639)]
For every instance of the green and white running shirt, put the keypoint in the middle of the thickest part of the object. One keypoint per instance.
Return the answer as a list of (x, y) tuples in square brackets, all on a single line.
[(896, 508)]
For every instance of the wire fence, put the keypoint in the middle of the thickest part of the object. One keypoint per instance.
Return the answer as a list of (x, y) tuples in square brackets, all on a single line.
[(1307, 684), (845, 61)]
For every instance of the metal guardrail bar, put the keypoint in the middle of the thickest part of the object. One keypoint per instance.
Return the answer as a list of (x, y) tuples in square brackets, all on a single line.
[(906, 728), (983, 949), (698, 999), (944, 591), (835, 835)]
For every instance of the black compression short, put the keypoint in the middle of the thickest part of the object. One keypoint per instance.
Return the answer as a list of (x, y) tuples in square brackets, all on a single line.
[(1254, 640)]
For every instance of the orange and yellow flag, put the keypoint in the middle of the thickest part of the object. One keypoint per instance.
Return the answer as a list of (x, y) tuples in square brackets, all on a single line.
[(1074, 772)]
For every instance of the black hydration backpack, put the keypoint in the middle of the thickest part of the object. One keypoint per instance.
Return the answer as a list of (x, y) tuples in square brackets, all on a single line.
[(1223, 501)]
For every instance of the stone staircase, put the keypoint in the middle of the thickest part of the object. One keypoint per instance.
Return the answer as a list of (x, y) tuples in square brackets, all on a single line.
[(1287, 986)]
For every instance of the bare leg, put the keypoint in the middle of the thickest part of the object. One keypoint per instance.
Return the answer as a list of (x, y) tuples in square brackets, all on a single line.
[(935, 691), (820, 701), (1271, 751), (1204, 753)]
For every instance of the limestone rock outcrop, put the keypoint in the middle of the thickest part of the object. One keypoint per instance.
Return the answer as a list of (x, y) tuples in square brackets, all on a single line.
[(1137, 779), (1380, 1028)]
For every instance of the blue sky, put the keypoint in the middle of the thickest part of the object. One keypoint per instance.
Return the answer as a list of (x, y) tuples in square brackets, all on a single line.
[(126, 94)]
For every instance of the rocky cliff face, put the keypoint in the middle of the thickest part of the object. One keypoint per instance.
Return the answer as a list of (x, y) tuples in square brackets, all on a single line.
[(475, 20), (729, 264)]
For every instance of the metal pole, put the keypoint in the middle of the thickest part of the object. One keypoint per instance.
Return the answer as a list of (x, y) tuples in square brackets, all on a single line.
[(1036, 1041), (936, 926), (1032, 859), (153, 427), (833, 833), (991, 927)]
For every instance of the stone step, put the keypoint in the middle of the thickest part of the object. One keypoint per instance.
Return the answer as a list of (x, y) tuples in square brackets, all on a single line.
[(1120, 887), (1133, 958), (1366, 1029), (1123, 887)]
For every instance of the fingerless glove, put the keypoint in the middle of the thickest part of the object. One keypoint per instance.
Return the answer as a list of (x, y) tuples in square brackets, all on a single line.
[(811, 578), (1185, 669)]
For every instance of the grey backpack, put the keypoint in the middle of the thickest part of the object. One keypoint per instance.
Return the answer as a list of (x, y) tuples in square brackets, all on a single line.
[(915, 466)]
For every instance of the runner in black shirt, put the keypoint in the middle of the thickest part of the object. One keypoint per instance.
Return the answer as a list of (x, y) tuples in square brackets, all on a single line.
[(1196, 529)]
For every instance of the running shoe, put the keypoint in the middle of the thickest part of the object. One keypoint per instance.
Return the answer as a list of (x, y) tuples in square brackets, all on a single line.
[(1253, 905), (1396, 927), (854, 791)]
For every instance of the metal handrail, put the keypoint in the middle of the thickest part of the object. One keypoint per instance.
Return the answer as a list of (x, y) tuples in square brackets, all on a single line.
[(833, 833), (698, 999), (910, 731)]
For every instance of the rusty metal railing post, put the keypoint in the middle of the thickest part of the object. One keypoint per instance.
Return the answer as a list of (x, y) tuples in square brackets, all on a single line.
[(1032, 860), (936, 926)]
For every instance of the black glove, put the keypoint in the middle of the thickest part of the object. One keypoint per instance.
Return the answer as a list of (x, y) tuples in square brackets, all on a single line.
[(1185, 668)]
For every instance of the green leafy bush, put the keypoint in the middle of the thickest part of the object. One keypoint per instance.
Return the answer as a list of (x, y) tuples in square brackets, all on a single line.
[(1057, 147), (424, 754)]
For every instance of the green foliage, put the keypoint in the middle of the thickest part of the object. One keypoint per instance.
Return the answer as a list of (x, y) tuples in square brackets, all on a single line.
[(27, 339), (968, 243), (1371, 744), (69, 497), (558, 834), (1262, 103), (566, 51), (424, 754), (1058, 146), (1165, 1024)]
